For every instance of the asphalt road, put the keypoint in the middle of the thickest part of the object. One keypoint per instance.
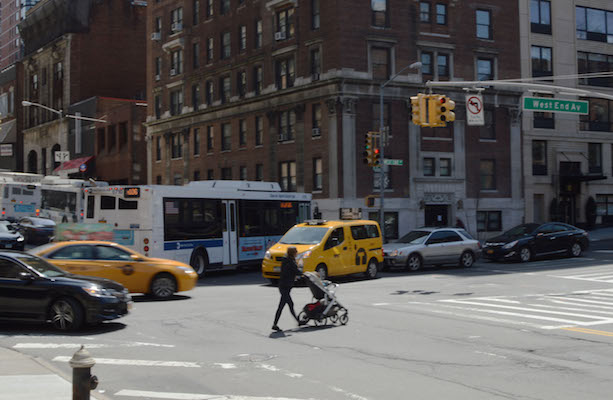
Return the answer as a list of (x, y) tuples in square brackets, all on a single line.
[(540, 330)]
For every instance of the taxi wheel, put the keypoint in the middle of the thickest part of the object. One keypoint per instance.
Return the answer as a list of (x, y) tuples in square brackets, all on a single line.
[(200, 262), (66, 314), (322, 271), (372, 269), (163, 286)]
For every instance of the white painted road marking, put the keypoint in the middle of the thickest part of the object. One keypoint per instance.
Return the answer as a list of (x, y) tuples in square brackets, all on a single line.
[(142, 363), (87, 346), (192, 396)]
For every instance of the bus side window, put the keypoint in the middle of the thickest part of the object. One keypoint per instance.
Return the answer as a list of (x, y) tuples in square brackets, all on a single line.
[(16, 190), (128, 204), (90, 206), (107, 202), (6, 192)]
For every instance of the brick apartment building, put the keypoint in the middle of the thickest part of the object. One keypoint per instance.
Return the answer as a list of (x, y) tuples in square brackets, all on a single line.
[(77, 53), (11, 122), (12, 12), (285, 90)]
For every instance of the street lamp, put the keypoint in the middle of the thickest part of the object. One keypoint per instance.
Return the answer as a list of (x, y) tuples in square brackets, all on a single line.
[(27, 103), (415, 65)]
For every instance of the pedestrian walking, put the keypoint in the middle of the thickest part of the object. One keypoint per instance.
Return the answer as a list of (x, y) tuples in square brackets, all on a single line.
[(289, 272)]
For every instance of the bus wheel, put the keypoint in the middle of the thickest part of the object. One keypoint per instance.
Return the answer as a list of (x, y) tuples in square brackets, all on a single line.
[(200, 262)]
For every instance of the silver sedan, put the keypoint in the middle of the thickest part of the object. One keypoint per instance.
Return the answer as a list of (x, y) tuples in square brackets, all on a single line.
[(432, 246)]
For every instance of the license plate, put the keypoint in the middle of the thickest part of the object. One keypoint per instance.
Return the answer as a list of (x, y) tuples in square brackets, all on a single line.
[(276, 269), (9, 246), (130, 304), (490, 252)]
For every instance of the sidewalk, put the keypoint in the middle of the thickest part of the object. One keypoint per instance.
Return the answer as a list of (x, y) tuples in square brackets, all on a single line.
[(25, 378)]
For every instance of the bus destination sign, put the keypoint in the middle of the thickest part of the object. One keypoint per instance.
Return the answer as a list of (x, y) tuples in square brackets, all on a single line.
[(131, 192)]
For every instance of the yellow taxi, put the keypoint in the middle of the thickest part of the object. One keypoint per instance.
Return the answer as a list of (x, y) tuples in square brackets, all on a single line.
[(138, 273), (330, 248)]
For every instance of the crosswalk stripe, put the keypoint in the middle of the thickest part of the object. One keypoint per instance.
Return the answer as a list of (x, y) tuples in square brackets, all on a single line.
[(572, 309), (143, 363), (604, 303), (191, 396), (575, 304)]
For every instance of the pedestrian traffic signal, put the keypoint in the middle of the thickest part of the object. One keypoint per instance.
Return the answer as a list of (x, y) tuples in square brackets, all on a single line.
[(368, 148), (418, 109), (439, 109)]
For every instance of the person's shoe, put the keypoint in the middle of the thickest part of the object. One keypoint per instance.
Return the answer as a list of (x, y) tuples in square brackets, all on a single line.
[(276, 328)]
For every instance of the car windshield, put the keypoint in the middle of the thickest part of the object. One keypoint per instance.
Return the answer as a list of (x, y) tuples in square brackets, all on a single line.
[(42, 248), (41, 266), (520, 230), (414, 237), (42, 222), (6, 228), (304, 235)]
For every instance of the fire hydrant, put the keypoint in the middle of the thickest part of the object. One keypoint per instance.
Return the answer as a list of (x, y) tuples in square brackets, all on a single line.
[(82, 380)]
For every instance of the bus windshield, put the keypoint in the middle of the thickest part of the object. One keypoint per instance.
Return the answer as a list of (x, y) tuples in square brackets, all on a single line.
[(304, 235)]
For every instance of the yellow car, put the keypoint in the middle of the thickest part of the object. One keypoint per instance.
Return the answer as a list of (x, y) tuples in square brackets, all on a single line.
[(331, 248), (139, 274)]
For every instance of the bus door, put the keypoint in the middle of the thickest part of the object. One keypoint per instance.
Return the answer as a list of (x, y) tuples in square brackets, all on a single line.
[(304, 212), (230, 238)]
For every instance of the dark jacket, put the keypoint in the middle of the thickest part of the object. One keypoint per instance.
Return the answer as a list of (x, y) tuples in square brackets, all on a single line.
[(289, 271)]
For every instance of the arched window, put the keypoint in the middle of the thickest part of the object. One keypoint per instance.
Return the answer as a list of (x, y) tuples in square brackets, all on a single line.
[(32, 162)]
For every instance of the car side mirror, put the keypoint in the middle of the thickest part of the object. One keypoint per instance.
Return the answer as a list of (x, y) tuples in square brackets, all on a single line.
[(26, 276), (539, 234), (135, 257)]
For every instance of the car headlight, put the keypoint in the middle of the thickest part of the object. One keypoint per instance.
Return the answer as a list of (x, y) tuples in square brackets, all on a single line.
[(97, 291), (20, 239), (510, 245), (185, 269), (300, 258), (267, 255), (393, 253)]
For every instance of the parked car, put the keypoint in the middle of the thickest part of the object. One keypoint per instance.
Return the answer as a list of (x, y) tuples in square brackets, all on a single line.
[(432, 246), (36, 230), (32, 289), (10, 238), (526, 241), (138, 273)]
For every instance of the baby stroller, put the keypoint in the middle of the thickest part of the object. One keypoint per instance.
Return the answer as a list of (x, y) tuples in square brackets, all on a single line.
[(326, 306)]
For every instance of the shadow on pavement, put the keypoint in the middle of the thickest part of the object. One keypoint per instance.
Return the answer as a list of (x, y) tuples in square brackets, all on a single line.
[(30, 328), (150, 299), (301, 330)]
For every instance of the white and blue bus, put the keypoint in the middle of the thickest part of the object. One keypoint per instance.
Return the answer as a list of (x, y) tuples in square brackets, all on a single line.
[(211, 225), (20, 195), (63, 199)]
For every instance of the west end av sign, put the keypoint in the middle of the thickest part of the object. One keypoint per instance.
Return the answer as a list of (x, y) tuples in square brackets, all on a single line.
[(544, 104)]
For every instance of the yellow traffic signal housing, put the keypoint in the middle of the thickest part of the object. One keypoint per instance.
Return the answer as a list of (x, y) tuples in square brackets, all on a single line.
[(376, 157), (370, 201), (418, 109), (439, 110), (368, 148)]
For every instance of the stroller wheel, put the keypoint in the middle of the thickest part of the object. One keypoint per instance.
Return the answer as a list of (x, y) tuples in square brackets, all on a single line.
[(334, 318), (303, 318), (321, 322), (344, 318)]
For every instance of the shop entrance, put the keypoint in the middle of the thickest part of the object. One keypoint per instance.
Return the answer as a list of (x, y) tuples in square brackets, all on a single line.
[(436, 215)]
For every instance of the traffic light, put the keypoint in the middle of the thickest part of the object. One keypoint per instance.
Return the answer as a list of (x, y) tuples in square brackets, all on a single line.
[(418, 109), (368, 148), (376, 157), (370, 201), (439, 109)]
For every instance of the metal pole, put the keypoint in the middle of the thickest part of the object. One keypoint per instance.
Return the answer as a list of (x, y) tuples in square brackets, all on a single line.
[(381, 170)]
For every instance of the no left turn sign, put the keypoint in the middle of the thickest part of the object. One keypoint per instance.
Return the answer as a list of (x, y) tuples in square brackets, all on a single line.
[(474, 110)]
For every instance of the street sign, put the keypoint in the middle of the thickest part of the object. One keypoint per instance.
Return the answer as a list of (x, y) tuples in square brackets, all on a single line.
[(545, 104), (83, 167), (62, 156), (388, 161), (474, 110)]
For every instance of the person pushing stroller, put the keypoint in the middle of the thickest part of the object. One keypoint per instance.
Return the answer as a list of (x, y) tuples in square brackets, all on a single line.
[(289, 273)]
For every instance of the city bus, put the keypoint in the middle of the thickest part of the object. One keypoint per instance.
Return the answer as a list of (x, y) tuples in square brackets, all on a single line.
[(211, 225), (63, 199), (20, 195)]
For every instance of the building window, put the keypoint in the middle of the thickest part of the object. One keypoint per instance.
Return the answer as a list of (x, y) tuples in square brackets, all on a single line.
[(604, 206), (429, 166), (158, 181), (488, 130), (390, 222), (196, 142), (225, 85), (209, 8), (226, 137), (544, 120), (285, 24), (209, 139), (226, 174), (257, 80), (242, 34), (196, 175), (209, 50), (441, 14), (224, 6), (287, 175), (210, 174), (158, 24), (259, 131), (196, 96), (176, 145), (487, 172), (600, 116), (287, 125), (594, 156), (285, 72), (315, 14), (379, 12), (589, 63), (210, 92), (158, 106), (445, 167), (259, 172), (380, 62), (485, 69), (442, 65), (258, 34), (195, 55), (315, 63), (426, 63), (484, 25), (539, 157), (226, 49), (489, 221), (540, 16), (424, 11), (242, 173), (241, 83), (317, 174), (176, 62), (316, 120), (195, 12), (242, 133), (158, 68), (176, 20), (594, 24), (541, 61), (158, 147), (176, 102)]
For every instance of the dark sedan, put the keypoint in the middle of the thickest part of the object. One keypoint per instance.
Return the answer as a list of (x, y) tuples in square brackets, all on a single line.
[(36, 230), (31, 289), (10, 238), (527, 241)]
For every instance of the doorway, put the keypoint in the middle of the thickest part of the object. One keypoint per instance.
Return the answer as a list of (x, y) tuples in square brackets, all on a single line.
[(436, 215)]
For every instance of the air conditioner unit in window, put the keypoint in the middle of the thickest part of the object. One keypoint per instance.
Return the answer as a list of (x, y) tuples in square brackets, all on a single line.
[(156, 36), (315, 76), (157, 77), (279, 35), (316, 132), (173, 72), (176, 27), (283, 137)]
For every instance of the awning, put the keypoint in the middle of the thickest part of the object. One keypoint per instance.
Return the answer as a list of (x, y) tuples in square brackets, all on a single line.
[(583, 178), (73, 166), (8, 132)]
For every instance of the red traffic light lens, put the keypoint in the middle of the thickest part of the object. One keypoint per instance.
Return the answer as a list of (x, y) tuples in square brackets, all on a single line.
[(443, 100), (377, 151)]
